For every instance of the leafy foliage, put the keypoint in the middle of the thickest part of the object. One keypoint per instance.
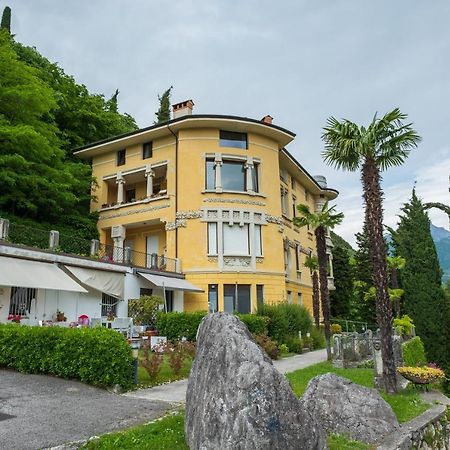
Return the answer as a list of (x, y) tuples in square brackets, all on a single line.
[(6, 19), (176, 325), (97, 356), (404, 325), (268, 345), (145, 309), (255, 324), (424, 298), (163, 113), (414, 352), (340, 298)]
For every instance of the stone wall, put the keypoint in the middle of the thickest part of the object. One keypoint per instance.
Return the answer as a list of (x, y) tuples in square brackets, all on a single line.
[(429, 431)]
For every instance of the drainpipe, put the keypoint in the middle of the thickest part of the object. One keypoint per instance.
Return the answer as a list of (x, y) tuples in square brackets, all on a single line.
[(176, 188)]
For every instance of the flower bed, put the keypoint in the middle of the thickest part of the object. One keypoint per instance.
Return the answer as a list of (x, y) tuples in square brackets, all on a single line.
[(422, 375)]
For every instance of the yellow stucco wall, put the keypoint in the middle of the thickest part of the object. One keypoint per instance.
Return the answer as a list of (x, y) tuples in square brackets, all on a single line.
[(188, 239)]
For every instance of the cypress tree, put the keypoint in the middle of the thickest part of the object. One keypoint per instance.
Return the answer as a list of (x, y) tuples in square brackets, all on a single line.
[(6, 19), (343, 281), (424, 297), (163, 113)]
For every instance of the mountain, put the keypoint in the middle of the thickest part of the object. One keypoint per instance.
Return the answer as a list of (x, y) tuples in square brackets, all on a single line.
[(341, 242), (441, 238)]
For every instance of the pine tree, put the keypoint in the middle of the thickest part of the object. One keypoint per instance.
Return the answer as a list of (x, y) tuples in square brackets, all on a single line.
[(112, 104), (6, 19), (424, 297), (340, 298), (364, 307), (163, 113)]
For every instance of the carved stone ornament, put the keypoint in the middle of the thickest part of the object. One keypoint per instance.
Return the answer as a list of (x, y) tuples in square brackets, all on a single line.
[(237, 261), (190, 214)]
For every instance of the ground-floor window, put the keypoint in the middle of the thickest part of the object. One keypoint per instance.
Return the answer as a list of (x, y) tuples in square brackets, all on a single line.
[(213, 304), (289, 297), (20, 300), (259, 295), (145, 292), (169, 301), (236, 297), (299, 298), (109, 305)]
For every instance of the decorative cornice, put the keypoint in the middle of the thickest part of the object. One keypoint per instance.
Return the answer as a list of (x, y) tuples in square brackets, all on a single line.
[(190, 214), (274, 219), (170, 226), (233, 200), (134, 211)]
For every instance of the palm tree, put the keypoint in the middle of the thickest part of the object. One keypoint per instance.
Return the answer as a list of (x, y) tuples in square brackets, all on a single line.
[(312, 264), (395, 264), (319, 221), (386, 142)]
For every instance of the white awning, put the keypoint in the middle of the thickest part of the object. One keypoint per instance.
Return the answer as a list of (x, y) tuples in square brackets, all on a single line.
[(35, 274), (177, 284), (110, 283)]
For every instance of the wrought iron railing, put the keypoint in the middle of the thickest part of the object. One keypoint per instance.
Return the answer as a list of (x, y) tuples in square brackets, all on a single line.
[(60, 242)]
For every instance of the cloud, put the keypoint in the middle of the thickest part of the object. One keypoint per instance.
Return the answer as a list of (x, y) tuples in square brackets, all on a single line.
[(432, 184)]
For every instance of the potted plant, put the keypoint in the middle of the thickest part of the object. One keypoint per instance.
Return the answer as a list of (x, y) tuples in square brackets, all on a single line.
[(60, 317), (422, 375)]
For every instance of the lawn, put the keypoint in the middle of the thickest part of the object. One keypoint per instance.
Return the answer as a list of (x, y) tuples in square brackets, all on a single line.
[(168, 434), (406, 405), (166, 374)]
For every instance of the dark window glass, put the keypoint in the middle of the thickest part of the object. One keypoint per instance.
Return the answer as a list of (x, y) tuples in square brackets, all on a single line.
[(233, 139), (237, 298), (145, 291), (109, 305), (255, 178), (169, 301), (130, 195), (260, 295), (213, 298), (297, 257), (20, 300), (147, 150), (233, 176), (210, 174), (294, 208), (121, 157)]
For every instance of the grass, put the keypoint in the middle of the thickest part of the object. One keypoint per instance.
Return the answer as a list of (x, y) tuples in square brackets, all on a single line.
[(165, 375), (164, 434), (338, 442), (406, 404)]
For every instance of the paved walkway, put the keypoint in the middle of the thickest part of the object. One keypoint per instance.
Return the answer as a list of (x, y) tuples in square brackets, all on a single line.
[(176, 392)]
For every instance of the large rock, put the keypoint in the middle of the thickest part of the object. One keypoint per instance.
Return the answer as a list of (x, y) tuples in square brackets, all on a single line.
[(344, 407), (236, 399)]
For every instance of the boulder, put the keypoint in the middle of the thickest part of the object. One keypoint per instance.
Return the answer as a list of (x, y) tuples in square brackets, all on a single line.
[(236, 399), (344, 407)]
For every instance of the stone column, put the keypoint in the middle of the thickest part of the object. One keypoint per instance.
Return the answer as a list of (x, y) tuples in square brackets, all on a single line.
[(249, 175), (120, 181), (149, 174), (218, 172)]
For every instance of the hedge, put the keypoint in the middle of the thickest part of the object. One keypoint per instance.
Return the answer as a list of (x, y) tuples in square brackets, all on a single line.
[(414, 352), (255, 324), (97, 356), (176, 325)]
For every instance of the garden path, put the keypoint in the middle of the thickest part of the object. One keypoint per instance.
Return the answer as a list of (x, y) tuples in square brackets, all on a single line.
[(175, 392)]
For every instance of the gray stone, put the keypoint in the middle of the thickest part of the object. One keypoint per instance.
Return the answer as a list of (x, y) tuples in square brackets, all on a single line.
[(346, 408), (236, 399)]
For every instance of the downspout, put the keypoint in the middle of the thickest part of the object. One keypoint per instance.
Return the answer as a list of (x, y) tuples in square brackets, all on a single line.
[(176, 189)]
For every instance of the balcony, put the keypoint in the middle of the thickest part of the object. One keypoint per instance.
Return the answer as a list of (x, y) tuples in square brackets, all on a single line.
[(21, 235)]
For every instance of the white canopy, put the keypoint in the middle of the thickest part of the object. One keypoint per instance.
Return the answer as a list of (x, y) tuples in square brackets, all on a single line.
[(110, 283), (178, 284), (35, 274)]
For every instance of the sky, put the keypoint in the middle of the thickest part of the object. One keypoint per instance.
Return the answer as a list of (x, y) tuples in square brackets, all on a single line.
[(299, 61)]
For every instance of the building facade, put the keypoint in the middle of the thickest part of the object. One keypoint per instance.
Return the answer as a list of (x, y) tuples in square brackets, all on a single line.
[(213, 196)]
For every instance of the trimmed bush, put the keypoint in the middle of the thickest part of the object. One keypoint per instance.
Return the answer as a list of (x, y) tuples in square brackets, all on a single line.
[(318, 338), (255, 324), (295, 344), (176, 325), (414, 352), (97, 356), (286, 320)]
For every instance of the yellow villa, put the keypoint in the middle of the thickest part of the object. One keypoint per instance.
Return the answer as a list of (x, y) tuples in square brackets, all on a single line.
[(211, 197)]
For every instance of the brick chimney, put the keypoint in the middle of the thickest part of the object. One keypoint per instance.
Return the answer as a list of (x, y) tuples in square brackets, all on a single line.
[(182, 109), (267, 119)]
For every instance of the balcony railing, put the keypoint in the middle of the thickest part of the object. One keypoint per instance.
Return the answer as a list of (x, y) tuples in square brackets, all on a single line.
[(64, 243)]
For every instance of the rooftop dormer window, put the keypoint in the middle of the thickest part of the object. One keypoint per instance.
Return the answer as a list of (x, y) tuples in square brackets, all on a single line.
[(233, 139)]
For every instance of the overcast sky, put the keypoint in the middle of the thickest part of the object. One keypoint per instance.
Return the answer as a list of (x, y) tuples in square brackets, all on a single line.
[(299, 61)]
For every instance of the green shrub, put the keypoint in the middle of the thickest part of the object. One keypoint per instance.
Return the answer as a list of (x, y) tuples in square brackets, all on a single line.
[(96, 356), (176, 325), (144, 310), (336, 328), (295, 344), (404, 325), (255, 324), (318, 338), (283, 348), (268, 345), (414, 352), (286, 320)]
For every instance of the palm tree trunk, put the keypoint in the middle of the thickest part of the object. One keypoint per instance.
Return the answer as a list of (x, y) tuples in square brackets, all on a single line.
[(370, 177), (316, 298), (323, 276)]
